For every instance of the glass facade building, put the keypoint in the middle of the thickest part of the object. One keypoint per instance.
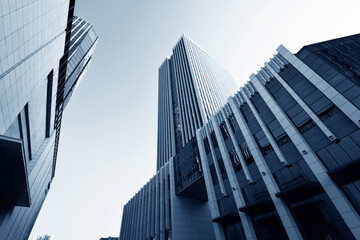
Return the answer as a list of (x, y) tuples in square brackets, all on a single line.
[(192, 87), (279, 160), (34, 40), (45, 237)]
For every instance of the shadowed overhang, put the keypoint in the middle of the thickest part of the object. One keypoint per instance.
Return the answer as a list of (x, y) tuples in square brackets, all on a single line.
[(14, 185)]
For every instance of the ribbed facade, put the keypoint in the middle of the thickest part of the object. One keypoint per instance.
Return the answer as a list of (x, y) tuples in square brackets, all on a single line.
[(192, 87), (45, 237), (33, 37), (82, 45), (279, 160)]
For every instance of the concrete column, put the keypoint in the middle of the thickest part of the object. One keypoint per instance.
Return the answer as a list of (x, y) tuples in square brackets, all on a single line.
[(285, 215), (157, 208), (337, 197), (153, 205), (236, 190), (148, 228), (162, 205), (129, 227), (143, 212), (137, 216), (124, 223), (329, 91), (167, 198), (214, 208), (139, 207)]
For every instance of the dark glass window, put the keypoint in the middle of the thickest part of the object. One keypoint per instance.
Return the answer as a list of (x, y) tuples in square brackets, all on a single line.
[(233, 123), (306, 126), (281, 140), (235, 160), (222, 168), (213, 174), (48, 103), (352, 191), (213, 140), (207, 146), (243, 114), (224, 131), (246, 153), (328, 113), (267, 149)]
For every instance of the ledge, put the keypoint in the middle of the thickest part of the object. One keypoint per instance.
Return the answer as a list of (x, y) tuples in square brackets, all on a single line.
[(228, 219), (261, 206), (300, 192)]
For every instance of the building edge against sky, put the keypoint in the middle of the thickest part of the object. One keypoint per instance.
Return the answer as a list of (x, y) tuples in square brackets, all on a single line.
[(279, 160), (192, 87), (38, 74)]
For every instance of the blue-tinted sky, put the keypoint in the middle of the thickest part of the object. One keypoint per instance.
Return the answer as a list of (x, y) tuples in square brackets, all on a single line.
[(108, 140)]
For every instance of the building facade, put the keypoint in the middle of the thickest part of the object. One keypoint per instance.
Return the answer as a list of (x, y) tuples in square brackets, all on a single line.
[(34, 41), (192, 87), (45, 237), (279, 160)]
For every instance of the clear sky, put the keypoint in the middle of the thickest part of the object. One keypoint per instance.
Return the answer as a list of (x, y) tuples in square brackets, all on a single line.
[(108, 141)]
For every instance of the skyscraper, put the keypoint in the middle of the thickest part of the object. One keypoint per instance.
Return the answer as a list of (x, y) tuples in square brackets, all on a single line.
[(37, 75), (80, 44), (45, 237), (109, 238), (279, 160), (192, 87)]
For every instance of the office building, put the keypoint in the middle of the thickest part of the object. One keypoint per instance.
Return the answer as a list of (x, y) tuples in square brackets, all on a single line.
[(45, 237), (36, 82), (279, 160), (192, 87)]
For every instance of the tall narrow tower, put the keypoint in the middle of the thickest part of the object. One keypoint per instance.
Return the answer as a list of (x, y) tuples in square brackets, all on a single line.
[(192, 87)]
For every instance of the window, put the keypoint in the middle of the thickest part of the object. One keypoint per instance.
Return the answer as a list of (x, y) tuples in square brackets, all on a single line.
[(213, 174), (48, 103), (243, 114), (235, 160), (267, 149), (207, 146), (282, 139), (306, 126), (246, 153), (213, 139), (224, 131), (328, 113), (245, 150), (233, 123), (222, 168)]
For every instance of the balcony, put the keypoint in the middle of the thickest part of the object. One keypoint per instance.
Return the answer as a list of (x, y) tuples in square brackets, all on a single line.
[(257, 198), (295, 184), (14, 185), (347, 173), (228, 210)]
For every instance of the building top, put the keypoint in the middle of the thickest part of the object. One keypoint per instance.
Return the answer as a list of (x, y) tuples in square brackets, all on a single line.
[(192, 87), (45, 237)]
